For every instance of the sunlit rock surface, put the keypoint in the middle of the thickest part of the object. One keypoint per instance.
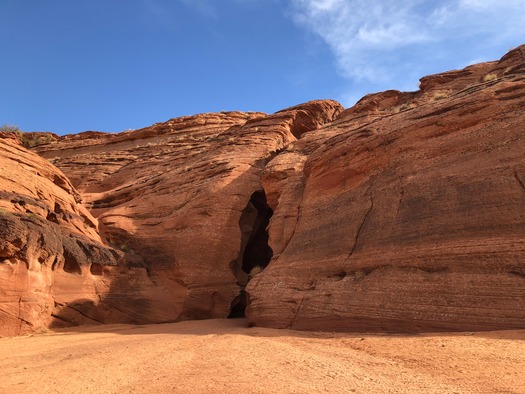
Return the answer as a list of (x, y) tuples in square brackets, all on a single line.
[(403, 213)]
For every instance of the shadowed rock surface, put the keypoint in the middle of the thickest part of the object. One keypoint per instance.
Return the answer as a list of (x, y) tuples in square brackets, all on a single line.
[(402, 213), (54, 269)]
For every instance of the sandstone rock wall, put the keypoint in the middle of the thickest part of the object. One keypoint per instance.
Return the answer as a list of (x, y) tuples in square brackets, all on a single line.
[(172, 196), (54, 269), (406, 213), (402, 213)]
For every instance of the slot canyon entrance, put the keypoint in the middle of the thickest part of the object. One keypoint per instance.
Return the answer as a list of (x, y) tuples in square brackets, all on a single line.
[(255, 253)]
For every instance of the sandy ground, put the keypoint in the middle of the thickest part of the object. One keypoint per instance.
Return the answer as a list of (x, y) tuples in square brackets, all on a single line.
[(224, 356)]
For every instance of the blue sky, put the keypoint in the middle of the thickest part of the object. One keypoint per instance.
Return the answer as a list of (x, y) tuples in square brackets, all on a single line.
[(111, 65)]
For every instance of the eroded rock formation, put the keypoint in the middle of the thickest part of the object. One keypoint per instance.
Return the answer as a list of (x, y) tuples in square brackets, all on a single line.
[(53, 264), (402, 213), (172, 195)]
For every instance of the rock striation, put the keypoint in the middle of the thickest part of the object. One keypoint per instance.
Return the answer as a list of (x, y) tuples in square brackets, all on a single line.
[(181, 198), (403, 213), (52, 259), (56, 270)]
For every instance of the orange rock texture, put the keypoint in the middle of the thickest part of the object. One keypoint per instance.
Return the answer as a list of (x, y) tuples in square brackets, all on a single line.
[(402, 213), (53, 263), (176, 198)]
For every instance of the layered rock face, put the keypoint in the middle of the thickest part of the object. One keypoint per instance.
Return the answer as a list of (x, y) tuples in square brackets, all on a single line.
[(406, 213), (53, 264), (402, 213), (182, 199)]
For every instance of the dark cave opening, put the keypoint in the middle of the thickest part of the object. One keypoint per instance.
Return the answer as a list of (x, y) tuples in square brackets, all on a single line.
[(71, 264), (255, 253), (238, 307)]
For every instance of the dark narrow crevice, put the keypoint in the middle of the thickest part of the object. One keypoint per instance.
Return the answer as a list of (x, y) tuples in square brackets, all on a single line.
[(255, 253), (360, 228), (55, 264), (238, 306), (522, 185)]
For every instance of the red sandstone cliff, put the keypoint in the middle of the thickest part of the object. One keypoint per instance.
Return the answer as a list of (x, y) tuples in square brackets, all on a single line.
[(173, 196), (402, 213), (407, 211), (52, 260)]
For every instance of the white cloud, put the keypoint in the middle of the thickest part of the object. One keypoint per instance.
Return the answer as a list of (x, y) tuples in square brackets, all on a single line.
[(382, 41)]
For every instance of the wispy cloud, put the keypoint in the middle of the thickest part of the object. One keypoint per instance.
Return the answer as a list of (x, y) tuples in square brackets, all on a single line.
[(381, 42), (204, 7)]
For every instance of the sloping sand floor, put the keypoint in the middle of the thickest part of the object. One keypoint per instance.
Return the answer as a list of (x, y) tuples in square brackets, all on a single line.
[(224, 356)]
